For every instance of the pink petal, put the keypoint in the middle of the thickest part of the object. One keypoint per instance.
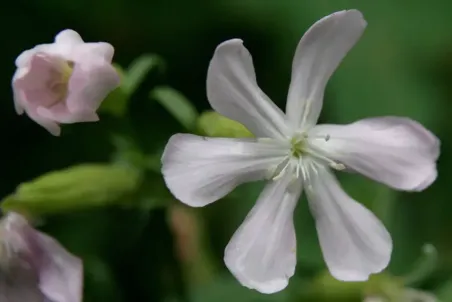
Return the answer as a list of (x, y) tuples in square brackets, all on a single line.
[(91, 81)]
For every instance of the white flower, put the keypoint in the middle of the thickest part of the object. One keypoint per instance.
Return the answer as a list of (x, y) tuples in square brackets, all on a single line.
[(34, 267), (293, 153), (64, 82)]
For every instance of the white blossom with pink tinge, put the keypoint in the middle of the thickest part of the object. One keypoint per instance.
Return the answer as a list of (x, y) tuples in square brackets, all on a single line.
[(34, 267), (293, 153), (64, 82)]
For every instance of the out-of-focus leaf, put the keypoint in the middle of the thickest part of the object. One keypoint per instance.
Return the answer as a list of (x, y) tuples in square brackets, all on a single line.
[(137, 72), (128, 153), (326, 288), (78, 187), (99, 282), (115, 103), (176, 104), (153, 193), (226, 289), (211, 123), (154, 163), (150, 271), (309, 254), (444, 292)]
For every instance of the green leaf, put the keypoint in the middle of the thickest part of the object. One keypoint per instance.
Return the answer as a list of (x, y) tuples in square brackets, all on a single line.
[(213, 124), (137, 72), (444, 292), (326, 288), (176, 104), (78, 187), (115, 103), (129, 154)]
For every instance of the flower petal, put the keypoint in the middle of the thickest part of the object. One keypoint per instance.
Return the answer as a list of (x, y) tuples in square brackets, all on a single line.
[(45, 122), (61, 273), (103, 49), (34, 266), (60, 113), (21, 104), (354, 242), (232, 91), (398, 152), (65, 43), (262, 252), (317, 56), (18, 95), (90, 83), (79, 49), (200, 170), (37, 79), (69, 46), (69, 37)]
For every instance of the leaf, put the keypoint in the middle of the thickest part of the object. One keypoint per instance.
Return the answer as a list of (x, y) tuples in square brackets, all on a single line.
[(138, 70), (115, 103), (78, 187), (176, 104), (213, 124), (128, 153), (444, 292)]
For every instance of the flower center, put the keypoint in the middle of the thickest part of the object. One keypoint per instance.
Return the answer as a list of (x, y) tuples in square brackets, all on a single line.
[(301, 158), (58, 83), (297, 144)]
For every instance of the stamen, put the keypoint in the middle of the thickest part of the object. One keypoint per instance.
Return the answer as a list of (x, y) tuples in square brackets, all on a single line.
[(337, 166), (307, 108), (304, 174), (314, 169), (324, 137), (331, 163), (280, 174), (297, 171)]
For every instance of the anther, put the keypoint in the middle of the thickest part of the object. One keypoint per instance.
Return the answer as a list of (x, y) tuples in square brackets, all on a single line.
[(337, 166)]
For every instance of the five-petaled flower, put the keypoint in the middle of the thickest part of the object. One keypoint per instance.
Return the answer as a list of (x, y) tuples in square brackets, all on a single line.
[(64, 82), (292, 152), (34, 267)]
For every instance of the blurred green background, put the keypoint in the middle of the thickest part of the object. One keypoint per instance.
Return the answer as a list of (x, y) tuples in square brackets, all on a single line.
[(140, 244)]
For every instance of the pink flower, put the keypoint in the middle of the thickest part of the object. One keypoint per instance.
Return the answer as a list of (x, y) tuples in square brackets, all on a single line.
[(34, 266), (64, 82)]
